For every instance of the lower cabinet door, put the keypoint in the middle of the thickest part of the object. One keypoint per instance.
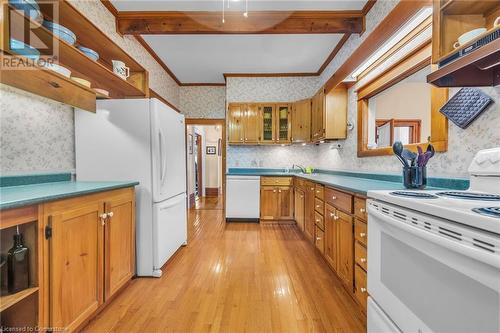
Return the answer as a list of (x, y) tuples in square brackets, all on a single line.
[(345, 265), (331, 238), (299, 208), (285, 204), (268, 203), (309, 212), (76, 263), (119, 242), (320, 240)]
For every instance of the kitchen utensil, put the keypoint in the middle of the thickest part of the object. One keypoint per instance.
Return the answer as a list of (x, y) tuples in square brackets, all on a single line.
[(468, 36), (409, 156), (120, 69), (465, 106), (83, 82), (58, 68), (25, 50), (415, 177), (397, 148), (89, 52), (430, 149), (420, 156), (62, 32), (30, 7)]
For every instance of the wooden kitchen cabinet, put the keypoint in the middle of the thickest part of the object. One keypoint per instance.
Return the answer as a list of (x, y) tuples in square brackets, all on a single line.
[(285, 203), (301, 121), (119, 240), (345, 263), (309, 208), (235, 128), (320, 240), (331, 238), (268, 203), (251, 124), (299, 204), (268, 123), (76, 261), (283, 123), (329, 114), (91, 253), (276, 199)]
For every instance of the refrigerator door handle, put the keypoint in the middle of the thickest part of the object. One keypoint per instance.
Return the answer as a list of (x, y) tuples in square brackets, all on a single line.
[(160, 145), (163, 157)]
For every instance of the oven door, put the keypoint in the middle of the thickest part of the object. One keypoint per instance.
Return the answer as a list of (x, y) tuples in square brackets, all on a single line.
[(429, 275)]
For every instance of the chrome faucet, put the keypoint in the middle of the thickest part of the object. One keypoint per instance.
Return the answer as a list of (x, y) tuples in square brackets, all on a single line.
[(302, 169)]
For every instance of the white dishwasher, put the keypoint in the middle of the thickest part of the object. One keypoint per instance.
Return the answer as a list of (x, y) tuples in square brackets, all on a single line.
[(242, 198)]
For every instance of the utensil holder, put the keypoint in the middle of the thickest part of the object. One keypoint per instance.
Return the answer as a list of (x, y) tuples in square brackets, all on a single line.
[(415, 177)]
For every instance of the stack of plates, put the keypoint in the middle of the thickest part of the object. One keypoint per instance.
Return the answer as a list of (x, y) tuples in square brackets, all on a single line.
[(25, 50), (30, 8), (63, 33), (89, 52)]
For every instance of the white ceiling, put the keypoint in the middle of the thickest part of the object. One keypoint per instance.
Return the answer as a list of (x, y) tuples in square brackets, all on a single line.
[(253, 5), (204, 58)]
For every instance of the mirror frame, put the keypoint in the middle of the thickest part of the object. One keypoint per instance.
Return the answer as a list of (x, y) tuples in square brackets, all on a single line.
[(410, 64)]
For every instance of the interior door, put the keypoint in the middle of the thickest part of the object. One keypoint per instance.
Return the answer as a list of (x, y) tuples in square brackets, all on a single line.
[(169, 152), (119, 242), (169, 230), (251, 124), (76, 264), (301, 121), (235, 128)]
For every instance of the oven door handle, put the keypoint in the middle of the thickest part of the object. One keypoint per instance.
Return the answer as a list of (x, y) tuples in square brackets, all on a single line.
[(477, 254)]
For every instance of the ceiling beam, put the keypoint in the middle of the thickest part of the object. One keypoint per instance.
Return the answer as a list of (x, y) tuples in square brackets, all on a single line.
[(261, 22)]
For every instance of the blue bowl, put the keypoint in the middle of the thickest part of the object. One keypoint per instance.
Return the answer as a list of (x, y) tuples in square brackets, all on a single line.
[(62, 32), (89, 52), (25, 50), (30, 7)]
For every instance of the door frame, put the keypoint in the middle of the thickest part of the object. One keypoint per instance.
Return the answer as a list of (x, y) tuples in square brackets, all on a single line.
[(199, 166), (222, 123)]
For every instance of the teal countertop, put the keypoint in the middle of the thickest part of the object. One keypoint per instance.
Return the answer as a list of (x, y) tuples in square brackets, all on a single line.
[(354, 182), (34, 193)]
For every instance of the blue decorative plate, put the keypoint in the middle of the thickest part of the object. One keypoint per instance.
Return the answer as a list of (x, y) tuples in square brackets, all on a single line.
[(89, 52), (62, 32), (25, 50), (465, 106), (30, 8)]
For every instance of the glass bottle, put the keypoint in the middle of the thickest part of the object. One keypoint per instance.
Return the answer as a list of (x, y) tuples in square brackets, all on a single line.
[(18, 265)]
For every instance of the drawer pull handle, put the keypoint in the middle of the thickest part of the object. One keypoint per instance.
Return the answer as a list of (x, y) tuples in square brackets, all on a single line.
[(363, 290), (362, 259), (334, 198), (362, 210), (362, 234)]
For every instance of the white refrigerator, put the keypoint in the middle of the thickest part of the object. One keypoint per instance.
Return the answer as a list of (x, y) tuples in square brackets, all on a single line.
[(143, 140)]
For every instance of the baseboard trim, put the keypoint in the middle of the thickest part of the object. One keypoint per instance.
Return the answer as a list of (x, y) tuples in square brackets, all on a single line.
[(211, 191)]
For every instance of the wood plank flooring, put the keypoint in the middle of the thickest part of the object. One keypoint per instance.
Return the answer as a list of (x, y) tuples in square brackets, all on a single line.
[(237, 277)]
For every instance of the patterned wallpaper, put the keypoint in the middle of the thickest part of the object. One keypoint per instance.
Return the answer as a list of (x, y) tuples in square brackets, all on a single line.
[(203, 102), (37, 134)]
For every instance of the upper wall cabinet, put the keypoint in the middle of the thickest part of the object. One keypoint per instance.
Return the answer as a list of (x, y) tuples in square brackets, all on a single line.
[(235, 116), (329, 114), (466, 43), (301, 121), (283, 123)]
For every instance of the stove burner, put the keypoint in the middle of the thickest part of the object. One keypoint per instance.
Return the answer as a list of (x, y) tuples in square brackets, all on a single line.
[(470, 196), (417, 195), (488, 211)]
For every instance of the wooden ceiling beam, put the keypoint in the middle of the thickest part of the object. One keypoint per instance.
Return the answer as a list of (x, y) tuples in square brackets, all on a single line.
[(261, 22)]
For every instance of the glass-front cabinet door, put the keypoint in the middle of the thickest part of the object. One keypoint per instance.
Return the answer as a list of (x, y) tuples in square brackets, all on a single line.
[(283, 123), (268, 122)]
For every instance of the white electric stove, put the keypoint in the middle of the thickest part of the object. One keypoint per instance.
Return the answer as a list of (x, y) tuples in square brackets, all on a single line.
[(434, 256)]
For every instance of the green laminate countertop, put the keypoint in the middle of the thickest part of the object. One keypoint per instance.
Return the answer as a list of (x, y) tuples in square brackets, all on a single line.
[(24, 195), (359, 183)]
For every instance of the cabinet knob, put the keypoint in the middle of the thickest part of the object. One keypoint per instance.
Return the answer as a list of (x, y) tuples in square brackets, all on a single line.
[(241, 139), (279, 191), (362, 259), (301, 196), (335, 217), (334, 198), (317, 206), (363, 290), (332, 215), (103, 218), (110, 214), (317, 220), (362, 210), (312, 188), (362, 234), (274, 191)]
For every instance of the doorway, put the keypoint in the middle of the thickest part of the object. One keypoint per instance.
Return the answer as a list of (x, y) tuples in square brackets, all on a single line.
[(206, 163)]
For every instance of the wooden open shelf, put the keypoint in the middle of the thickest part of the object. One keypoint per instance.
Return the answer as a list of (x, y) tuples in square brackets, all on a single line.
[(460, 7), (99, 73), (7, 301)]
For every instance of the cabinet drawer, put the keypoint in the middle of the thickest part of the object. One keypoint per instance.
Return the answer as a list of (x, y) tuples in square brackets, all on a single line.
[(276, 181), (320, 240), (320, 191), (360, 208), (318, 219), (319, 206), (360, 232), (300, 182), (360, 291), (360, 255), (339, 199)]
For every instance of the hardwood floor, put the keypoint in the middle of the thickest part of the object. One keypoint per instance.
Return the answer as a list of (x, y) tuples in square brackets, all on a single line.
[(209, 203), (237, 277)]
